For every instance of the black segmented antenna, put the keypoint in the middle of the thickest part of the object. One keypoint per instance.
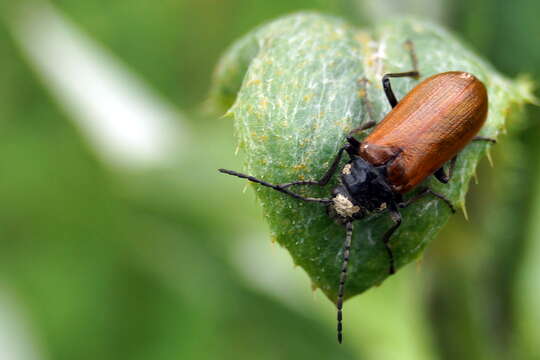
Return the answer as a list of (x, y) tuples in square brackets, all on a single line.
[(343, 279), (279, 187)]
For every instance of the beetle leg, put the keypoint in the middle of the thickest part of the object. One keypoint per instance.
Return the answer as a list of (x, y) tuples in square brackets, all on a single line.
[(484, 138), (327, 176), (396, 218), (354, 145), (388, 88), (424, 192), (409, 46), (343, 279), (415, 74), (441, 174), (367, 125), (277, 187), (367, 107)]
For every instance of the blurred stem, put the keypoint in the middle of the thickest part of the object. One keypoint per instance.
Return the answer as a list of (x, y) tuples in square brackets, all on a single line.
[(471, 298), (526, 285)]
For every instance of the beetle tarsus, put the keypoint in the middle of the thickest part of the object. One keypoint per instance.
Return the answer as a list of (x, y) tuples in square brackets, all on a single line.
[(443, 198), (367, 106), (365, 126), (409, 46), (485, 138), (423, 193)]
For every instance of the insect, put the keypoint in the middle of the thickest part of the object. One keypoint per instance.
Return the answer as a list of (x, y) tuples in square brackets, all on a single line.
[(422, 132)]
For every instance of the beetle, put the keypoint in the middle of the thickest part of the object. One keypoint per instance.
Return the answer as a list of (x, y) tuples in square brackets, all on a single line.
[(422, 132)]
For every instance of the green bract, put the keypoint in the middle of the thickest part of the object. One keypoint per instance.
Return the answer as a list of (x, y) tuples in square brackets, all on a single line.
[(293, 89)]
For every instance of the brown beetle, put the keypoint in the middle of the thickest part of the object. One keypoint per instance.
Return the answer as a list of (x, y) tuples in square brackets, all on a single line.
[(425, 130)]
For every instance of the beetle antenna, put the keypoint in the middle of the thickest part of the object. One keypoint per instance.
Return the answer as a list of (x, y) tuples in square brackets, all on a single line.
[(343, 279), (277, 187)]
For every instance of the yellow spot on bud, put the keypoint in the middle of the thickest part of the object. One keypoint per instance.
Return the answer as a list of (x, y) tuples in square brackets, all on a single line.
[(363, 37), (308, 97), (254, 82)]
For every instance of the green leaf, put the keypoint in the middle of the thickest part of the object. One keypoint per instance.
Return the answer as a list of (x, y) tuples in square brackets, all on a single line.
[(293, 86)]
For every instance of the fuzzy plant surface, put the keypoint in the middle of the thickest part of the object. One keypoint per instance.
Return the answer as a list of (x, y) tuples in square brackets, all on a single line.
[(292, 88)]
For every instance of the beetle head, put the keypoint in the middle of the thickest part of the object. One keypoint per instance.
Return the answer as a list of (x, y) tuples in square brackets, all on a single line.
[(363, 190)]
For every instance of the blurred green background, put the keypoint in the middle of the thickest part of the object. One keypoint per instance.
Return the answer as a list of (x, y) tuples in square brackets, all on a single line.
[(118, 239)]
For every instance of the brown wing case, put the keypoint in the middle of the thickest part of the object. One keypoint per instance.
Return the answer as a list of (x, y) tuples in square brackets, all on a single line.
[(428, 127)]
